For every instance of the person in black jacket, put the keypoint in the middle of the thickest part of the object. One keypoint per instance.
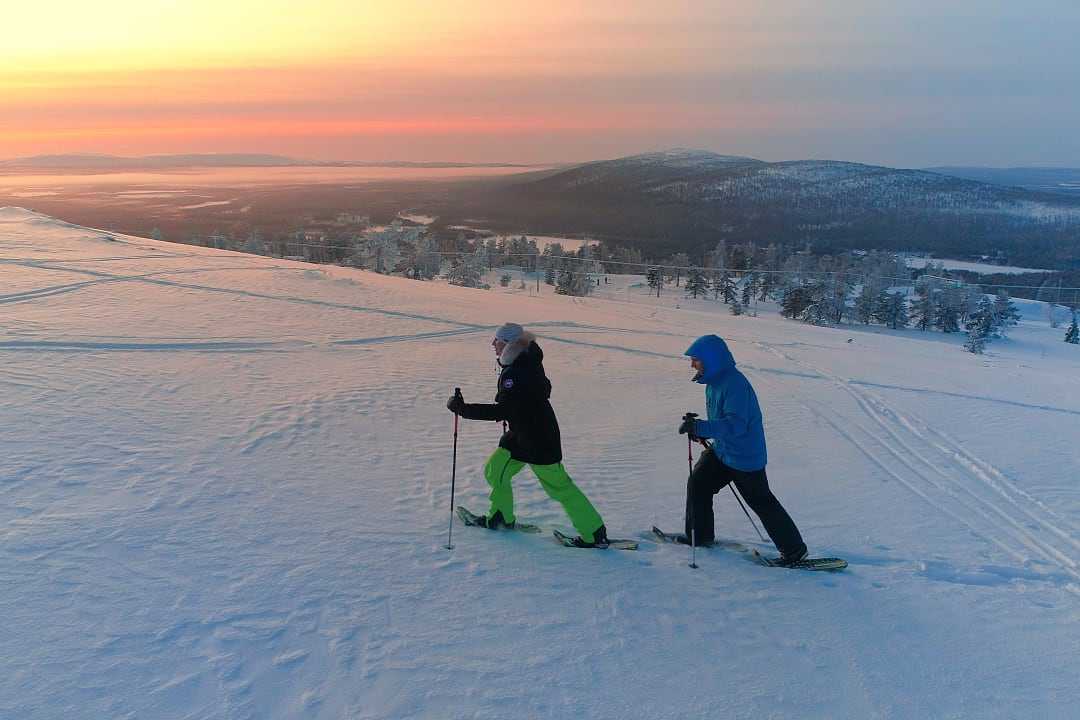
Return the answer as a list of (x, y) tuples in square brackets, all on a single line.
[(533, 437)]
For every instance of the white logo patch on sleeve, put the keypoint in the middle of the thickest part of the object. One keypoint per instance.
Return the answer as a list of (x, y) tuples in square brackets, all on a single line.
[(508, 383)]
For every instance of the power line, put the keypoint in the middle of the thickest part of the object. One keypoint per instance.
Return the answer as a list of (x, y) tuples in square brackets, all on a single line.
[(645, 265)]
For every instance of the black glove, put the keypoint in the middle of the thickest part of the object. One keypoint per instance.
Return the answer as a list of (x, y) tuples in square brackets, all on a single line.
[(455, 404), (687, 427)]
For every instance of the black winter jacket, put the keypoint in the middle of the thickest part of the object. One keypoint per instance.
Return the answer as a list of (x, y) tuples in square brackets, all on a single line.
[(523, 402)]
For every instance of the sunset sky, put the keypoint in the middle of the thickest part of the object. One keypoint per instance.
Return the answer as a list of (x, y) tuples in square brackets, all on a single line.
[(907, 82)]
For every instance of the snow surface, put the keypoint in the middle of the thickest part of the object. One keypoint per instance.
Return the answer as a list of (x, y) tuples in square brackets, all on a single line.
[(977, 267), (225, 484)]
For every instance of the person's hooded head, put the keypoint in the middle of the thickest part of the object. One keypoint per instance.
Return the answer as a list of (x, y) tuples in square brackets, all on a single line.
[(510, 341), (710, 358)]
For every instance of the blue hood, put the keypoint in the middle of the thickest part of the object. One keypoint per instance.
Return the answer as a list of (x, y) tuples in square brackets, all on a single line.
[(714, 356)]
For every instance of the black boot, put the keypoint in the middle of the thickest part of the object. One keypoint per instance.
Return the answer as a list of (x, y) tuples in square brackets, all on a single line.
[(791, 558), (494, 522), (600, 539)]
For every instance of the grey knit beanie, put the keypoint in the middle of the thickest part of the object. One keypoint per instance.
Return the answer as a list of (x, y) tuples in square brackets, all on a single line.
[(509, 332)]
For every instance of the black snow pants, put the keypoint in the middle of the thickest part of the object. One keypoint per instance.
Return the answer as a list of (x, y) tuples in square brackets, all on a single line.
[(710, 476)]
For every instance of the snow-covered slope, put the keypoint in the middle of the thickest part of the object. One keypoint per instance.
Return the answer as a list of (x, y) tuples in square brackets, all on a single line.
[(225, 485)]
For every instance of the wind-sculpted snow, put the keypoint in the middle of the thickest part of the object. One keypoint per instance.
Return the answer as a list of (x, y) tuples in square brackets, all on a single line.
[(225, 494)]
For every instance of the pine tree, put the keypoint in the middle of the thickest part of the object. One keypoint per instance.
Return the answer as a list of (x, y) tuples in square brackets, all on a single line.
[(655, 279), (573, 283), (423, 262), (254, 243), (880, 310), (465, 272), (696, 284), (748, 288), (976, 342), (795, 301), (893, 310), (565, 284), (1072, 335), (922, 309), (1005, 312), (946, 311), (980, 326), (818, 313), (549, 275), (723, 286), (766, 283), (866, 304)]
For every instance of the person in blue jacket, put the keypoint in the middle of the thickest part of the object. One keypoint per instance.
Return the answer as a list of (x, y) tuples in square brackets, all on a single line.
[(736, 454)]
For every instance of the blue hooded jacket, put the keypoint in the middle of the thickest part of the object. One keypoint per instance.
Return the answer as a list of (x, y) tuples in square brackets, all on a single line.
[(734, 422)]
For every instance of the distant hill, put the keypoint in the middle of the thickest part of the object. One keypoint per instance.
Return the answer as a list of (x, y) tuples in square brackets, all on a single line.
[(687, 200), (1056, 180)]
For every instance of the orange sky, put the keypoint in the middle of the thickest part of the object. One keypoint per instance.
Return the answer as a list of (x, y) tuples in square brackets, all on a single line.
[(500, 80)]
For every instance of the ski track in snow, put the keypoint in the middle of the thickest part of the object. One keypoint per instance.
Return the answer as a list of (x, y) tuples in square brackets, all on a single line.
[(956, 483)]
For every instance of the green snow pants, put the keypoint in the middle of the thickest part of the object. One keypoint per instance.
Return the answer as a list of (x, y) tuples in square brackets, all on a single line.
[(501, 467)]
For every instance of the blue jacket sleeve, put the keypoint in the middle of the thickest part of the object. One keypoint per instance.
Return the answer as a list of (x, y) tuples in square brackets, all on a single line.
[(734, 416)]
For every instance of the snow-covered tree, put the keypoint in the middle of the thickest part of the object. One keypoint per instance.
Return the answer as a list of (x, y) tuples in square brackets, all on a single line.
[(866, 303), (922, 309), (947, 310), (422, 262), (891, 310), (465, 272), (795, 301), (549, 275), (655, 279), (1072, 335), (254, 243), (834, 299), (1005, 313), (976, 341), (980, 326), (723, 286), (382, 249), (679, 261), (696, 283), (767, 283), (573, 283), (818, 313), (749, 285)]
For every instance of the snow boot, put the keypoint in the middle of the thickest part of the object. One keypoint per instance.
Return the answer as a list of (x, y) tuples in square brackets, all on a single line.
[(792, 558), (494, 522), (600, 539)]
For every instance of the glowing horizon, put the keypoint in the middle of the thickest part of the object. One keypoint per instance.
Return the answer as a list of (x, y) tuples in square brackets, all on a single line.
[(515, 82)]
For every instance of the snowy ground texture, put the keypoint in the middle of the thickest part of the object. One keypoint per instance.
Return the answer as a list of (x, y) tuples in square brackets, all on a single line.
[(225, 491)]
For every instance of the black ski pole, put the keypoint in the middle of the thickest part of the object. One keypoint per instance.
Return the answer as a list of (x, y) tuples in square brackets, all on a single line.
[(690, 492), (732, 486), (453, 477)]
